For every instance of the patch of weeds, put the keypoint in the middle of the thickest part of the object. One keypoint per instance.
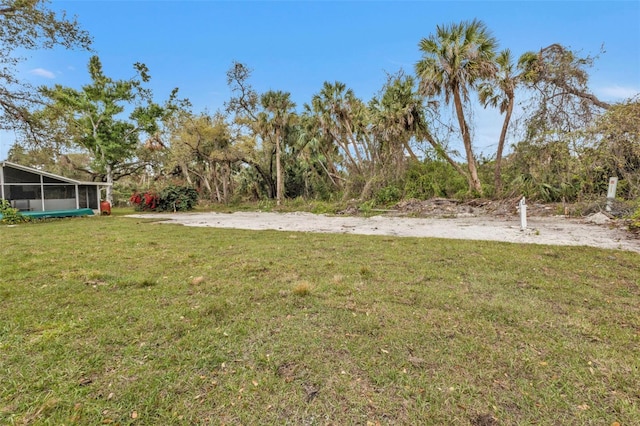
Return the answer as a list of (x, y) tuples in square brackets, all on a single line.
[(634, 224), (497, 315), (137, 283), (302, 289), (623, 292), (10, 215), (266, 205), (324, 208), (217, 310), (365, 272), (448, 216), (367, 207), (256, 269), (97, 278)]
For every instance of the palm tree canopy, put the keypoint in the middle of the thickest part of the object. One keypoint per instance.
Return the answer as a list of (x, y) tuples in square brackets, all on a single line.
[(500, 91), (455, 58), (277, 102), (398, 110)]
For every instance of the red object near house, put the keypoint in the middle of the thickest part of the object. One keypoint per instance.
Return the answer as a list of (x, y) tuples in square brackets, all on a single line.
[(105, 208), (150, 200)]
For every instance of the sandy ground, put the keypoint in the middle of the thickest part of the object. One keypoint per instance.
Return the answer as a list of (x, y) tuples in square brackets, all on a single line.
[(555, 230)]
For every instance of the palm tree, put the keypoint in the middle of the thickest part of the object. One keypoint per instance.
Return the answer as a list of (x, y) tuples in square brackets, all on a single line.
[(318, 151), (397, 116), (500, 93), (345, 120), (339, 111), (453, 61), (276, 120)]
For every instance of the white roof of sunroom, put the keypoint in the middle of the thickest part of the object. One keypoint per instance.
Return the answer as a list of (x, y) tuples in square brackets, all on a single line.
[(51, 175)]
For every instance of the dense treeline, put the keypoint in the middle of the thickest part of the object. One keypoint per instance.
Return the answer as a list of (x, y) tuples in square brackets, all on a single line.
[(562, 145)]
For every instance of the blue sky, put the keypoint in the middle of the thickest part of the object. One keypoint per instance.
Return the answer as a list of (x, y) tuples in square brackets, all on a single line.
[(295, 46)]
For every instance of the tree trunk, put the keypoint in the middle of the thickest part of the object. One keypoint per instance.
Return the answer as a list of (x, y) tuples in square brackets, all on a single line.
[(345, 148), (266, 177), (216, 182), (442, 153), (412, 154), (474, 181), (109, 189), (185, 173), (351, 138), (497, 173), (206, 184), (279, 177), (226, 172)]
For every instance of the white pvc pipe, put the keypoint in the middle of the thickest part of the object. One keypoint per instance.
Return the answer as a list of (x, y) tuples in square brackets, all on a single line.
[(611, 193), (523, 214)]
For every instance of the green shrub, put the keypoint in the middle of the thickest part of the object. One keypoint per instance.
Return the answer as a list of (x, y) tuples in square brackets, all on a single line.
[(177, 198), (388, 195), (434, 179), (366, 208), (325, 207), (10, 215)]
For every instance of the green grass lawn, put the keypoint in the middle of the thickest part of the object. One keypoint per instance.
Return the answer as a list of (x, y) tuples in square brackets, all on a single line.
[(113, 320)]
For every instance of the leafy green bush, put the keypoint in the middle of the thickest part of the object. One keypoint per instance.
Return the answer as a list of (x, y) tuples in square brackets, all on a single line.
[(388, 195), (367, 207), (325, 207), (177, 198), (433, 179), (10, 215)]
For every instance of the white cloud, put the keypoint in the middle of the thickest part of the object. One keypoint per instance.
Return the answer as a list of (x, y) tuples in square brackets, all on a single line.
[(42, 73), (618, 92)]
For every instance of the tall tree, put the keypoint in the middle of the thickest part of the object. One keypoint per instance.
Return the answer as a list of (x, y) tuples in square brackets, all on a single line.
[(344, 120), (616, 139), (334, 107), (397, 116), (245, 107), (560, 100), (201, 149), (454, 60), (318, 152), (93, 117), (275, 122), (499, 92), (28, 24)]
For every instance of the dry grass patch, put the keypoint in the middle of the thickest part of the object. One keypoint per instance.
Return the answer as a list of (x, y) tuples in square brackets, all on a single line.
[(302, 289)]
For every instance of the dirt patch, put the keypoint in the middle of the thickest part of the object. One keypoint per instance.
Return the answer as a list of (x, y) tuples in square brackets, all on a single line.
[(484, 420), (438, 218)]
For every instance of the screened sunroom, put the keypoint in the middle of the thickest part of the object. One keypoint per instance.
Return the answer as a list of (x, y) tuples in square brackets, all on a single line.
[(32, 190)]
